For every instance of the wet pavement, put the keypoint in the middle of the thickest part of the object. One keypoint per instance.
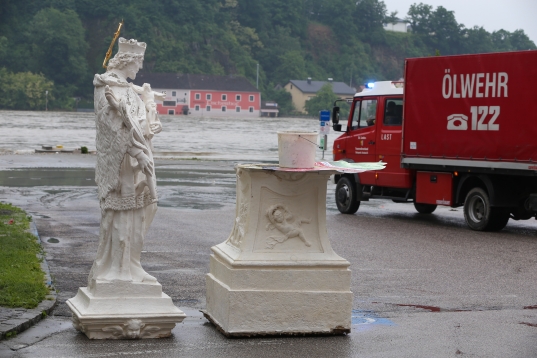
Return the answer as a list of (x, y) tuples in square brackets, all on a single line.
[(424, 285)]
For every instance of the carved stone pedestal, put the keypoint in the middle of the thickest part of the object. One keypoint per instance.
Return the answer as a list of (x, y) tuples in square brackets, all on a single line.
[(124, 310), (277, 273)]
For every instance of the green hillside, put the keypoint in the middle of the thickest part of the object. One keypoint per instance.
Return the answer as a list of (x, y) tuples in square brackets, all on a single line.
[(57, 45)]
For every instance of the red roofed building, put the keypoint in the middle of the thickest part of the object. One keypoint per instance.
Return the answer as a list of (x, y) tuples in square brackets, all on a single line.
[(204, 95)]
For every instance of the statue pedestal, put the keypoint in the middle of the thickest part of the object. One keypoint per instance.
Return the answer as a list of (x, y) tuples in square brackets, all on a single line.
[(277, 274), (124, 310)]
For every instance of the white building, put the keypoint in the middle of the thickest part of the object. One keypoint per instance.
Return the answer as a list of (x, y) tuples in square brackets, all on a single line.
[(399, 25)]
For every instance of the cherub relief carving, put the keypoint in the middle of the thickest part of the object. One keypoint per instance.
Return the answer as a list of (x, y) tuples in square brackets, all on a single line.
[(283, 220)]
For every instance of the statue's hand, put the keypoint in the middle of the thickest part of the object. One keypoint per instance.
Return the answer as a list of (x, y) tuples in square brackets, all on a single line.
[(112, 100), (146, 166), (156, 127)]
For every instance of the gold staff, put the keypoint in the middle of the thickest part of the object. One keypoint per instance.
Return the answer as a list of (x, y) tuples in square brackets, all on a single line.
[(109, 52)]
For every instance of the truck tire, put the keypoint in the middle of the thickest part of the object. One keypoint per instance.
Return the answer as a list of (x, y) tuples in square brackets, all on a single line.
[(480, 216), (346, 196), (501, 217), (425, 208)]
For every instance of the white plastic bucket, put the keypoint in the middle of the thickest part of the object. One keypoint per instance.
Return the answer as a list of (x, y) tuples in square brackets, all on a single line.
[(297, 149)]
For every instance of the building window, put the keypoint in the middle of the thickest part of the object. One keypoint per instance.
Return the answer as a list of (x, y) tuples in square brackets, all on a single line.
[(224, 97), (171, 111), (251, 98), (197, 108), (169, 103), (208, 96), (174, 93), (251, 109), (208, 108), (237, 109), (223, 109), (238, 97), (198, 96)]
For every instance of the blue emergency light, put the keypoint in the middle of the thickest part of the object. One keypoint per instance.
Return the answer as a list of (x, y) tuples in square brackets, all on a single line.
[(370, 85)]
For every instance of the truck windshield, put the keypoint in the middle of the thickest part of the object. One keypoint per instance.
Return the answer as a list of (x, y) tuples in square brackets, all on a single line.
[(364, 113)]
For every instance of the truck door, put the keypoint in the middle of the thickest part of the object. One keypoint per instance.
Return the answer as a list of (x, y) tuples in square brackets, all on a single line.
[(362, 141), (388, 147)]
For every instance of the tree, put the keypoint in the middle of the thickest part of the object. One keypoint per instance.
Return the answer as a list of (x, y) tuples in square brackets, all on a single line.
[(58, 48), (24, 90), (323, 100), (477, 40), (506, 41), (292, 66), (282, 97), (420, 18), (370, 15), (438, 28), (521, 41)]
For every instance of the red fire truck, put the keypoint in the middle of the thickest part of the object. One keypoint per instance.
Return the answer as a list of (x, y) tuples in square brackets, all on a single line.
[(460, 131)]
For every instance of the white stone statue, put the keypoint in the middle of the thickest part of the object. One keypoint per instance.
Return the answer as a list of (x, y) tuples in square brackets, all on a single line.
[(125, 170), (153, 125), (123, 301)]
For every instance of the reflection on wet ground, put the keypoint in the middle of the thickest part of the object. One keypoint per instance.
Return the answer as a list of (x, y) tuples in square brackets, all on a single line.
[(198, 186), (188, 188), (47, 177)]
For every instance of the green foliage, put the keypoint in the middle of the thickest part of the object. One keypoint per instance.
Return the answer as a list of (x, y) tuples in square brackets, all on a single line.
[(292, 65), (438, 29), (58, 48), (21, 278), (324, 100), (24, 90), (282, 97), (66, 40)]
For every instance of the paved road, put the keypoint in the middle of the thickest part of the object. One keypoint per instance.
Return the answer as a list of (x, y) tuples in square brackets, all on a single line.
[(424, 286)]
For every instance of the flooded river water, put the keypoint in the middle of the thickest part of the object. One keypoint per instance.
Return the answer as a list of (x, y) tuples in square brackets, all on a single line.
[(245, 139), (208, 182)]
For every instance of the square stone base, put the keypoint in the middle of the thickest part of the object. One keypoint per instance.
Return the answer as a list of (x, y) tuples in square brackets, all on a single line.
[(123, 317), (278, 301)]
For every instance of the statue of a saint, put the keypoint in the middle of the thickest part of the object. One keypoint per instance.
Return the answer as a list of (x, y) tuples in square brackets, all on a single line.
[(124, 172), (122, 301)]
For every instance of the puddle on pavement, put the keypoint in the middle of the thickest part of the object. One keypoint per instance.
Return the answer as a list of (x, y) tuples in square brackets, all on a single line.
[(86, 177), (47, 177), (364, 318), (191, 189), (182, 189)]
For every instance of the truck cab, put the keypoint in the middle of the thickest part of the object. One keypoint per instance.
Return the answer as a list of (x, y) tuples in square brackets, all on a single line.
[(373, 133)]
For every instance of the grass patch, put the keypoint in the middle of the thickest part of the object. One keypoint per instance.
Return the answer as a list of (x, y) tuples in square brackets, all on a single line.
[(21, 279)]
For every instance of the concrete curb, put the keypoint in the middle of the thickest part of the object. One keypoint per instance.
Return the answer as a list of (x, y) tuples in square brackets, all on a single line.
[(22, 318)]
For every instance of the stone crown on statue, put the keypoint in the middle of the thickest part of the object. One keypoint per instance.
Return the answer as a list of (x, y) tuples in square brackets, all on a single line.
[(131, 46)]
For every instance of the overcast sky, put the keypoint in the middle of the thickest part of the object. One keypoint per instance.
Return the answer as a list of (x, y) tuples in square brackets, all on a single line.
[(493, 15)]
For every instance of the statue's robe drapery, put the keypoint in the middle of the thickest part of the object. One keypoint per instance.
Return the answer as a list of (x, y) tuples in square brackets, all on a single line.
[(126, 205)]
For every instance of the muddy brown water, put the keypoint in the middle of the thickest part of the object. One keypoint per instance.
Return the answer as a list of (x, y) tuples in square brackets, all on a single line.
[(244, 139)]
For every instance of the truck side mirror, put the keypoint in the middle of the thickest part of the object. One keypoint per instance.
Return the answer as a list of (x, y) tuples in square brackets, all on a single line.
[(335, 119), (335, 115)]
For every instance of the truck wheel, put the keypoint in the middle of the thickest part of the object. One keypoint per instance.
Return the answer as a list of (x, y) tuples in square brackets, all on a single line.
[(425, 208), (346, 196), (480, 216), (501, 217)]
